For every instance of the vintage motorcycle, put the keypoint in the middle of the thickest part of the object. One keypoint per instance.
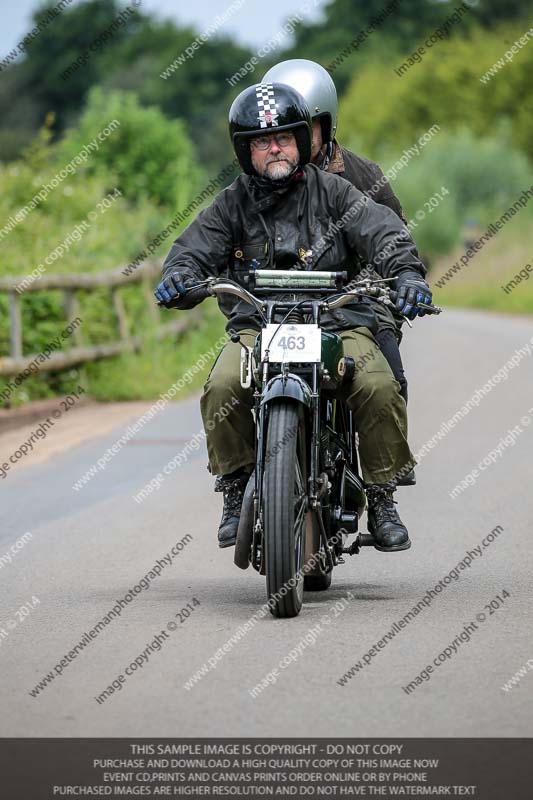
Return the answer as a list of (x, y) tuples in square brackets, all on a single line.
[(305, 495)]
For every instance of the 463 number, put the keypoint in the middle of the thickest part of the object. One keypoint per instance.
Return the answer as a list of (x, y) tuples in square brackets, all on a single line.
[(292, 342)]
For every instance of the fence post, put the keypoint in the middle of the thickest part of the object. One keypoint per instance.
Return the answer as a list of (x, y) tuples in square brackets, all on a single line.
[(120, 311), (72, 311), (15, 326), (151, 302)]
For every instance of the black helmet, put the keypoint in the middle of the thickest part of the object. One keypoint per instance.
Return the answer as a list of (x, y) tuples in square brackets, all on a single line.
[(267, 108)]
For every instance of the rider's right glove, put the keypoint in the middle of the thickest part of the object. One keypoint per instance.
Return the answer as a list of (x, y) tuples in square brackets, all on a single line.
[(172, 292)]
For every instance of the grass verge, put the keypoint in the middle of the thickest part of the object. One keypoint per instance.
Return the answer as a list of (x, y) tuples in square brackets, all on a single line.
[(482, 282)]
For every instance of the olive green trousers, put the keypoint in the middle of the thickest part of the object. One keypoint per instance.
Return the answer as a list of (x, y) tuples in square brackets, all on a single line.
[(373, 395)]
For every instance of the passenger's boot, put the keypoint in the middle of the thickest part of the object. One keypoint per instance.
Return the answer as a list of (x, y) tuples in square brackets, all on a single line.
[(384, 523), (233, 487), (409, 479)]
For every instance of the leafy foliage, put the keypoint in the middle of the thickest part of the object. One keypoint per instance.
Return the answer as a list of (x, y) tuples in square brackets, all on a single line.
[(151, 155), (111, 238), (483, 175), (388, 111)]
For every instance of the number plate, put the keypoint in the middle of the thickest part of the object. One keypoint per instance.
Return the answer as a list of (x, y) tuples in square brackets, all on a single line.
[(301, 343)]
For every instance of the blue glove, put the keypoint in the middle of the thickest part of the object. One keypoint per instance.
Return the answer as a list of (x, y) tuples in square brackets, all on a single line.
[(410, 292), (170, 289)]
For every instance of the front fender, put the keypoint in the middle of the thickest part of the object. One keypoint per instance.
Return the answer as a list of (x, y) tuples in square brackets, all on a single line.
[(291, 387)]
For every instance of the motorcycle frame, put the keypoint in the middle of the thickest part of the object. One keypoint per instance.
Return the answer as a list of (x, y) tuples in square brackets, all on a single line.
[(319, 410)]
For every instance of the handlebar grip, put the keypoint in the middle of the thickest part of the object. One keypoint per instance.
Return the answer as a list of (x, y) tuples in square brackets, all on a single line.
[(197, 293), (192, 297)]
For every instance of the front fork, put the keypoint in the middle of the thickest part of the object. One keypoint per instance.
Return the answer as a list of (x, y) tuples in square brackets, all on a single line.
[(260, 417), (316, 534)]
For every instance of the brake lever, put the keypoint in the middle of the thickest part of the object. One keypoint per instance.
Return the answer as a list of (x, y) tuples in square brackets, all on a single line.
[(430, 307)]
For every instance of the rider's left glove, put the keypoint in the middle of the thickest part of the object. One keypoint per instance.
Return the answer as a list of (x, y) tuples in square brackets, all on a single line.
[(410, 292)]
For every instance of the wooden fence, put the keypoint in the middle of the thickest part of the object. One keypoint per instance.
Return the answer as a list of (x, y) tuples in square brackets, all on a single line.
[(71, 285)]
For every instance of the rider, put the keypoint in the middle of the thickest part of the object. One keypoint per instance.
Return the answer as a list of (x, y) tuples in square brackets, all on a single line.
[(317, 88), (285, 212)]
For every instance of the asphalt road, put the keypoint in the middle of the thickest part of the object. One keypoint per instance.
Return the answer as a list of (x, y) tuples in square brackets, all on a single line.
[(90, 547)]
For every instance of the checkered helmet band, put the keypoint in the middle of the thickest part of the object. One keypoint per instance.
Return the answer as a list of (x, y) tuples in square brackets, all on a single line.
[(268, 112)]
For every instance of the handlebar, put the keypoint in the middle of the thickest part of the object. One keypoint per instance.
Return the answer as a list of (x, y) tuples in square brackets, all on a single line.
[(216, 286), (198, 293), (381, 293)]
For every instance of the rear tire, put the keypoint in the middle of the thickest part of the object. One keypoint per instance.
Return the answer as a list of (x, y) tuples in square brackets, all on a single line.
[(285, 506)]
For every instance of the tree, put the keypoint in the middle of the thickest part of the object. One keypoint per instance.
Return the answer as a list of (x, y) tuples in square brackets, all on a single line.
[(133, 59), (67, 40), (196, 92), (446, 89), (405, 28)]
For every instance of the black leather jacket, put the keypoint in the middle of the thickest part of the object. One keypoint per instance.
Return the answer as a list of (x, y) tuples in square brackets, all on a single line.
[(248, 224), (365, 175)]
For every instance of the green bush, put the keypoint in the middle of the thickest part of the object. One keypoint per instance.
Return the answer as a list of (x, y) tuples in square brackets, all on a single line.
[(161, 362), (151, 156), (483, 175)]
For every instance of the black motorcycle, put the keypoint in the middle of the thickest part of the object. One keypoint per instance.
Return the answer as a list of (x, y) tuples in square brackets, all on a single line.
[(305, 495)]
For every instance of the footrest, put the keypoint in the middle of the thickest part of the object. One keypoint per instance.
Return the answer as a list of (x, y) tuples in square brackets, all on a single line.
[(361, 540)]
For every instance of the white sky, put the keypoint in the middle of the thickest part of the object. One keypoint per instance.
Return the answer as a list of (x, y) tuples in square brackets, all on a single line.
[(253, 24)]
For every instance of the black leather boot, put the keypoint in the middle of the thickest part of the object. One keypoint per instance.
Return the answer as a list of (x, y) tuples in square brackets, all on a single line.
[(384, 523), (233, 489)]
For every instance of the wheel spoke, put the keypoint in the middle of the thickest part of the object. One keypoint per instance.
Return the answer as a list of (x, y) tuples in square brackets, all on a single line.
[(299, 517), (299, 513), (298, 533), (299, 479)]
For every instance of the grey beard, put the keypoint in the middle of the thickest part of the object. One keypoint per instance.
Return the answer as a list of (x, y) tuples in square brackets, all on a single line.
[(277, 170)]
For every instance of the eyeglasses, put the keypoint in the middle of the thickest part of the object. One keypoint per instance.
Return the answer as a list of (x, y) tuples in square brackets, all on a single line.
[(265, 142)]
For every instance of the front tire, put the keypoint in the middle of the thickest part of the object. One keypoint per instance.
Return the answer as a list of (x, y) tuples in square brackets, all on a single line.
[(285, 506)]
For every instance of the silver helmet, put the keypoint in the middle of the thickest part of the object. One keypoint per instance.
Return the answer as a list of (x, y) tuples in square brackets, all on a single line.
[(315, 84)]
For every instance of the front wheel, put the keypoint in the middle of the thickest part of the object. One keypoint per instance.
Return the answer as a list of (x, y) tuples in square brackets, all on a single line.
[(285, 506)]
